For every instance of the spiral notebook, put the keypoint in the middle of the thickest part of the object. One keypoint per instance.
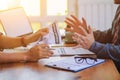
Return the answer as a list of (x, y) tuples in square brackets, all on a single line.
[(69, 64)]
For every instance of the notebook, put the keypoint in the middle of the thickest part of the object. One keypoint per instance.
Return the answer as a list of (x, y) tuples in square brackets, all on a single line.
[(69, 64)]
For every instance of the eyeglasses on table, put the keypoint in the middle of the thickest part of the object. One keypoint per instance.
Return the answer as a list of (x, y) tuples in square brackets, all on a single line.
[(88, 59)]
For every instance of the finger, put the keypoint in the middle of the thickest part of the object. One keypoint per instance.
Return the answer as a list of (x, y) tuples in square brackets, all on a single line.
[(48, 54), (80, 44), (43, 33), (80, 37), (68, 23), (41, 48), (75, 35), (77, 39), (68, 29), (84, 23), (84, 31), (81, 40), (71, 21), (78, 22), (44, 30), (44, 55), (44, 46), (74, 39), (76, 19), (90, 30), (74, 27)]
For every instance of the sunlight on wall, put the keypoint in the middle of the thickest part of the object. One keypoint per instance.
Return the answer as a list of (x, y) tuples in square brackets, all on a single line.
[(3, 4), (32, 7), (57, 7)]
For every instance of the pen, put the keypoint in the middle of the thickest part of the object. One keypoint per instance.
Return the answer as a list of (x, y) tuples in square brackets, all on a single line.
[(63, 55), (51, 49)]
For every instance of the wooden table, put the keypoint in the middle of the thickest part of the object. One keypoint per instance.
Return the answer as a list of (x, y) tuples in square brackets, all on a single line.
[(37, 71)]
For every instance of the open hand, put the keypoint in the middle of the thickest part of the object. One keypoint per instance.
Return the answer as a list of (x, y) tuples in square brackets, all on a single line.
[(75, 24), (84, 41)]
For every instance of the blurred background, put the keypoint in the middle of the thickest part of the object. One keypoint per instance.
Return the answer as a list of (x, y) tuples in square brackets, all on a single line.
[(98, 13)]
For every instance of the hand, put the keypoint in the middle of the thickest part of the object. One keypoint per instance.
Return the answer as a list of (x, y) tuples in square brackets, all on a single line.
[(43, 31), (35, 36), (84, 41), (39, 51), (75, 24)]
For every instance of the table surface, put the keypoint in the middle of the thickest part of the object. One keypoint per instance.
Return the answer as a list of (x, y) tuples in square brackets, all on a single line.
[(37, 71)]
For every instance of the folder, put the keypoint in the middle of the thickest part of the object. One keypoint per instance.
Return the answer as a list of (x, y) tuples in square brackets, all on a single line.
[(69, 64)]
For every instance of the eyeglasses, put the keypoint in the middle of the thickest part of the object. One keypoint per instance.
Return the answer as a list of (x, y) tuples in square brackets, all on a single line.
[(88, 59)]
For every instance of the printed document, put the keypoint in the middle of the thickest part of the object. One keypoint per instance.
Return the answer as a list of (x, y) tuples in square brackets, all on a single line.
[(70, 51), (69, 64)]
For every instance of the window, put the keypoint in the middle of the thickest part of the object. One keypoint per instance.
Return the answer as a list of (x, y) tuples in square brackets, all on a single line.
[(32, 7), (54, 9), (41, 12)]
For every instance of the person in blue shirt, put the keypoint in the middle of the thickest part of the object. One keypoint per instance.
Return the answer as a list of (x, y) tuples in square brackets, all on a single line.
[(106, 44)]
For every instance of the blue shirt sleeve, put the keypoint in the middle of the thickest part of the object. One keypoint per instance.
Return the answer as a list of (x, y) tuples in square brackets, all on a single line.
[(106, 51)]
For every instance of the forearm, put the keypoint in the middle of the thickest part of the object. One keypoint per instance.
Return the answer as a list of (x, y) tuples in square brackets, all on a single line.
[(32, 38), (10, 42), (13, 57), (106, 51)]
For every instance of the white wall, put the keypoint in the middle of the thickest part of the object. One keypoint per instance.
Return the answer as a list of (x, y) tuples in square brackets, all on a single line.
[(98, 13)]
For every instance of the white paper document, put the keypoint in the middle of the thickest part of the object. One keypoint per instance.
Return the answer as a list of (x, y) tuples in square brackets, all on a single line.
[(54, 36), (70, 51), (57, 51), (69, 64)]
